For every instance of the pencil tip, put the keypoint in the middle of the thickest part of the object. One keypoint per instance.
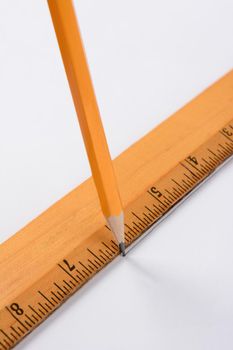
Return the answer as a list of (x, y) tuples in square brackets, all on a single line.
[(122, 248)]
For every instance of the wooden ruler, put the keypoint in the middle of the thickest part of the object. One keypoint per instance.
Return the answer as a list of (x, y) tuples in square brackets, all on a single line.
[(53, 256)]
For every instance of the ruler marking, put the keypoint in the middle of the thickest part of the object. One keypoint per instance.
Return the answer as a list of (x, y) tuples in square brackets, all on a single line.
[(149, 219), (230, 146), (205, 167), (146, 218), (153, 218), (91, 262), (178, 190), (182, 189), (191, 172), (7, 336), (194, 166), (223, 153), (130, 228), (159, 211), (27, 323), (86, 273), (103, 257), (8, 345), (80, 278), (29, 318), (115, 245), (91, 268), (91, 252), (168, 199), (55, 301), (30, 307), (212, 162), (15, 339), (171, 194), (215, 161), (85, 267), (66, 289), (143, 224), (110, 256), (16, 318), (219, 155), (3, 346), (131, 234), (139, 225), (151, 212), (77, 275), (106, 246), (15, 331), (41, 311), (127, 237), (136, 227), (101, 251), (140, 228), (60, 288), (224, 150), (21, 330), (209, 164), (109, 250), (62, 296), (71, 288), (227, 147), (43, 308), (67, 272), (190, 181), (226, 136), (35, 318), (187, 186), (161, 203), (72, 283), (46, 299)]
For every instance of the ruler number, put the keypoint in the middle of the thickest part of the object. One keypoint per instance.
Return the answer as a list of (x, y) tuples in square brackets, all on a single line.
[(70, 267), (193, 160), (17, 309), (227, 132), (156, 192)]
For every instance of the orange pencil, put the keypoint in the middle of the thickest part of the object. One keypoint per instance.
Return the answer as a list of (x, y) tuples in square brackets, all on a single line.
[(74, 59)]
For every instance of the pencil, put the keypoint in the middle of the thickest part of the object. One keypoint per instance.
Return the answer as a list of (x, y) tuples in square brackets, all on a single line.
[(77, 71)]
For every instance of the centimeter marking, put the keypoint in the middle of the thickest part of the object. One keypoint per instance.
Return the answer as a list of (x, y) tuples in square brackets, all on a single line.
[(20, 318)]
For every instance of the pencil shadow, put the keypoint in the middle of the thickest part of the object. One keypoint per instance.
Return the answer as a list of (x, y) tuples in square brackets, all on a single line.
[(139, 267)]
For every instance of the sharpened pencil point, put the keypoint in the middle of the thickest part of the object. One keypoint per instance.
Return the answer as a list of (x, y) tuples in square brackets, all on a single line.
[(122, 248)]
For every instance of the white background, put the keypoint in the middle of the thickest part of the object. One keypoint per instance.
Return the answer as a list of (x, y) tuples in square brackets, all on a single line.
[(147, 59)]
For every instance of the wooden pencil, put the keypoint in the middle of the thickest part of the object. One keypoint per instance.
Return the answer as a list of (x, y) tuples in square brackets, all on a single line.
[(77, 71)]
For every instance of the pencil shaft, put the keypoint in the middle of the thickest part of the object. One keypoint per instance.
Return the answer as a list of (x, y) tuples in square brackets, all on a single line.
[(74, 59)]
